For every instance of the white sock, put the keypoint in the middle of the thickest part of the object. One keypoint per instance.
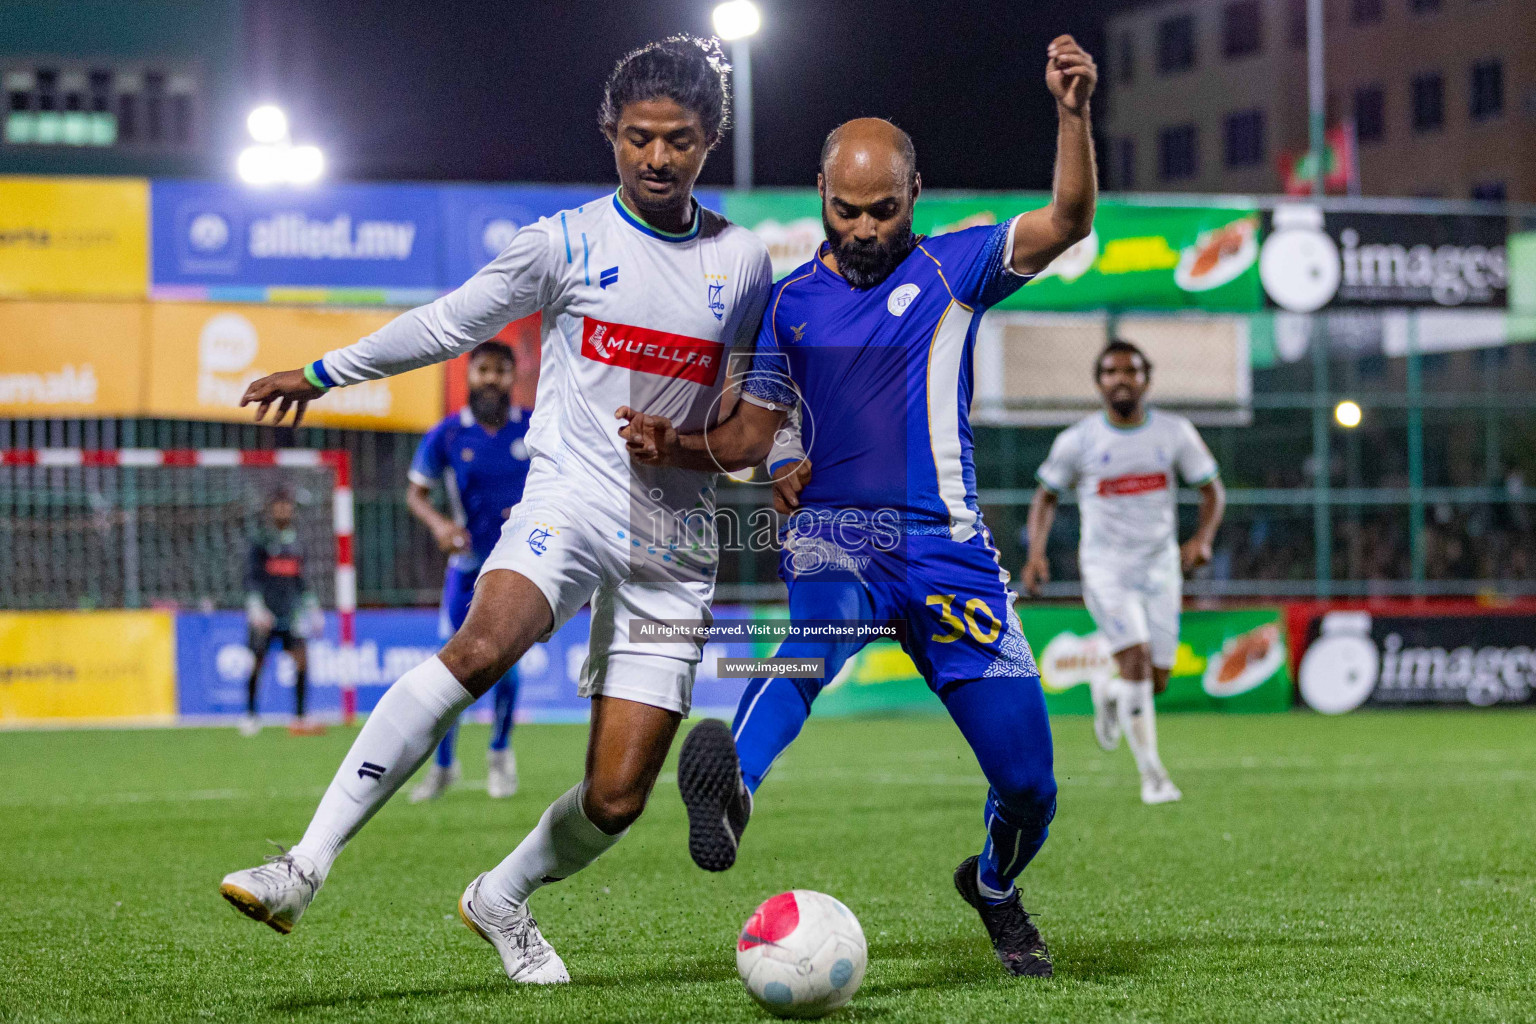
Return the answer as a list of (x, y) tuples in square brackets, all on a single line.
[(561, 844), (406, 725), (1139, 724)]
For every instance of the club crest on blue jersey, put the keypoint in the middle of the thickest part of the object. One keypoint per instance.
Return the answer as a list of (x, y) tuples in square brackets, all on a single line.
[(901, 298), (716, 299), (608, 277)]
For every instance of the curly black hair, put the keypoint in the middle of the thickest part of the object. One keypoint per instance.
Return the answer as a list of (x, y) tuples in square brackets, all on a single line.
[(688, 69), (493, 348), (1121, 345)]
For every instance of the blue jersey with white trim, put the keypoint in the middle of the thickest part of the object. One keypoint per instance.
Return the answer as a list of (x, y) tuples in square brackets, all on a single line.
[(884, 378), (483, 472)]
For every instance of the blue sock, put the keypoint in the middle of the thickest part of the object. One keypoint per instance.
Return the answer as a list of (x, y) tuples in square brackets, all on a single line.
[(772, 710), (503, 700), (445, 749), (768, 719), (1004, 720)]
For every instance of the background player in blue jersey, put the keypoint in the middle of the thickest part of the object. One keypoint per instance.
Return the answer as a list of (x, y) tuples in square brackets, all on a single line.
[(872, 341), (481, 459)]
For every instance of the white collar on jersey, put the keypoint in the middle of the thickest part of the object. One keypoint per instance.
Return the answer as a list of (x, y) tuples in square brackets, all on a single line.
[(634, 221), (467, 418)]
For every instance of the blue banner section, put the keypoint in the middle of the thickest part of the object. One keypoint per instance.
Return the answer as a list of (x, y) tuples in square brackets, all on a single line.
[(213, 663), (479, 220), (213, 235), (389, 244)]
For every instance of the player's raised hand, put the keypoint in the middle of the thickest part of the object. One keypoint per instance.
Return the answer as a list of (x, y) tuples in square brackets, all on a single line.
[(788, 481), (1036, 571), (1070, 74), (1194, 553), (650, 439), (288, 389)]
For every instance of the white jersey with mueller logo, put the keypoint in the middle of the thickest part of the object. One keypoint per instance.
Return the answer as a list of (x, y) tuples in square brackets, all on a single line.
[(1127, 480), (631, 316)]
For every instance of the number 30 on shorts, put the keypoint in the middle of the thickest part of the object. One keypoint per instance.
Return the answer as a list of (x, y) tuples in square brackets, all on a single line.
[(955, 629)]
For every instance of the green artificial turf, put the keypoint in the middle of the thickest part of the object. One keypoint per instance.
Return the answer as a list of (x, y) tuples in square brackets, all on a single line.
[(1375, 867)]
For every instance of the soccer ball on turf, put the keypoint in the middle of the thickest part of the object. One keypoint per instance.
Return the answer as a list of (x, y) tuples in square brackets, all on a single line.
[(801, 954)]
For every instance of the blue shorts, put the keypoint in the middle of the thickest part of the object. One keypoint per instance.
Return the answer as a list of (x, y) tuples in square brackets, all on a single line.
[(950, 597)]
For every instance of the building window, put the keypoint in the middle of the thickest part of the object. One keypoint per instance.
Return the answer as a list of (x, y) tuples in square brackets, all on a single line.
[(1296, 25), (1245, 138), (1370, 114), (1125, 164), (1242, 28), (1177, 153), (1176, 43), (1487, 89), (1127, 58), (1428, 102), (1490, 191), (1365, 12), (1423, 6)]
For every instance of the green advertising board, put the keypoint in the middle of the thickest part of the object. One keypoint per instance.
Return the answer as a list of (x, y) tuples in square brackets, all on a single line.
[(1227, 661), (1138, 257)]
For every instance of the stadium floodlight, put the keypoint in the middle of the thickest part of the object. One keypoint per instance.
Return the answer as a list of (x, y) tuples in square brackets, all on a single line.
[(304, 165), (1347, 413), (267, 124), (261, 165), (737, 19), (280, 165)]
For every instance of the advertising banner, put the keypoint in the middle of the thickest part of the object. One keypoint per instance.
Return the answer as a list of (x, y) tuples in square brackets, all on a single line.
[(1227, 660), (213, 663), (86, 666), (202, 357), (354, 244), (1311, 260), (1476, 657), (82, 237), (1233, 661), (1138, 257), (72, 358)]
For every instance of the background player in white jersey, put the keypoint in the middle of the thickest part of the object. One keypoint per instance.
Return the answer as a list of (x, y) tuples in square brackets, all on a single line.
[(643, 295), (1126, 464)]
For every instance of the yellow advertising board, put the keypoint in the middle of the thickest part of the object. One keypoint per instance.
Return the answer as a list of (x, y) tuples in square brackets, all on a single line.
[(84, 237), (79, 666), (203, 355), (72, 358)]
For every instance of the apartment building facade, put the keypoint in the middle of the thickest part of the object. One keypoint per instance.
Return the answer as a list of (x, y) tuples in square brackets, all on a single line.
[(1205, 95)]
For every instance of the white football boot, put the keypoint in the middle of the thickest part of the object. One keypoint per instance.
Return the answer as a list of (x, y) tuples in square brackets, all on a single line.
[(501, 773), (250, 726), (1106, 713), (525, 955), (436, 782), (276, 894), (1159, 789)]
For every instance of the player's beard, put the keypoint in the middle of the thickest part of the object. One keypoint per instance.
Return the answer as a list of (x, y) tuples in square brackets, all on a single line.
[(490, 404), (864, 265)]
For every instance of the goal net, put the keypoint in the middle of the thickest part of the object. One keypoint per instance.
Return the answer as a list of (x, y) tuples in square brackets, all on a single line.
[(162, 528)]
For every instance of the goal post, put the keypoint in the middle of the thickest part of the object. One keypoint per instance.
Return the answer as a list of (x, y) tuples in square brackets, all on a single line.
[(169, 527)]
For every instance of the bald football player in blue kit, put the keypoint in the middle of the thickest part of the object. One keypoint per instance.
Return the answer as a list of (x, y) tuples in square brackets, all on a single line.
[(872, 342)]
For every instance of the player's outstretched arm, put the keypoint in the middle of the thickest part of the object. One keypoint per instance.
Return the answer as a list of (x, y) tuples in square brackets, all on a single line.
[(739, 441), (520, 281), (1042, 516), (1039, 236), (1196, 551)]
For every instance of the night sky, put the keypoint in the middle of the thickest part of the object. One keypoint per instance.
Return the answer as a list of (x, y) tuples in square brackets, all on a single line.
[(470, 90)]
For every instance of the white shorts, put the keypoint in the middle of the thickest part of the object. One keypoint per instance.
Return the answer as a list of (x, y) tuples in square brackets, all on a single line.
[(1137, 605), (575, 553)]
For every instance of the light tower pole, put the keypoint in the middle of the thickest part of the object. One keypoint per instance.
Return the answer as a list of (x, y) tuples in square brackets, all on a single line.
[(736, 22)]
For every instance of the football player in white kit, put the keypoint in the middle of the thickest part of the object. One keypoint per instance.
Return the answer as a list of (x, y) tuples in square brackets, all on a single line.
[(1126, 464), (644, 294)]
